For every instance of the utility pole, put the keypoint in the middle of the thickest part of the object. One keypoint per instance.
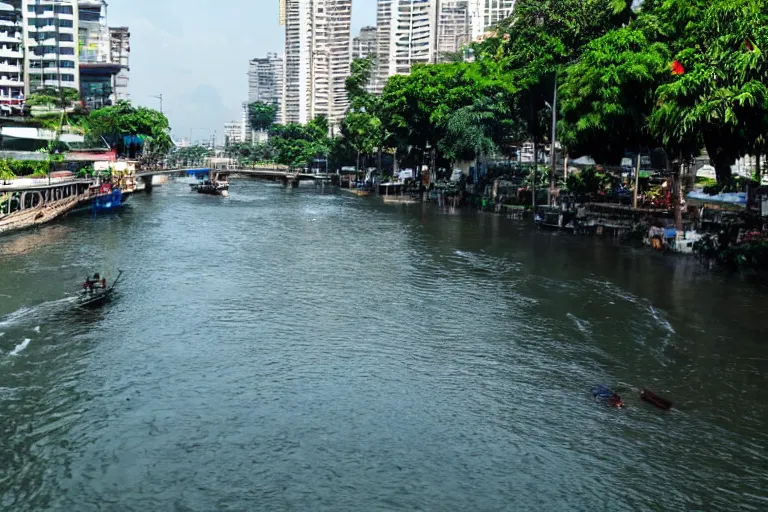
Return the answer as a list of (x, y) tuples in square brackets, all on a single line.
[(552, 150), (159, 97)]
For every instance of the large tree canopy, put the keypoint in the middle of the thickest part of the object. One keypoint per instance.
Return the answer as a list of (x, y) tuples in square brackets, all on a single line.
[(115, 122), (261, 116), (721, 86)]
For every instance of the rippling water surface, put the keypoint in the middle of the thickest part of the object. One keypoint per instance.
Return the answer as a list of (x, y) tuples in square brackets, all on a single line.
[(305, 350)]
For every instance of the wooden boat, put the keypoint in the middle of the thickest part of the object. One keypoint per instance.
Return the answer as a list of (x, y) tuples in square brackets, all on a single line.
[(96, 298)]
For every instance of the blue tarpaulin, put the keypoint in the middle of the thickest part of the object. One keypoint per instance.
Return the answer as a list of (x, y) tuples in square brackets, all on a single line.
[(733, 198)]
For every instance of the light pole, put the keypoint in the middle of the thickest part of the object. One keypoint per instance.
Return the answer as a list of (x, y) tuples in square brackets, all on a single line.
[(159, 97), (552, 150)]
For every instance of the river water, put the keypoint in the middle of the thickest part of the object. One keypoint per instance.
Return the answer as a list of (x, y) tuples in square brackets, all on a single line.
[(308, 350)]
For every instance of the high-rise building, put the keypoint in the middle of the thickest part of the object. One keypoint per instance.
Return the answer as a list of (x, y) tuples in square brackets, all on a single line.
[(409, 27), (317, 58), (11, 55), (484, 14), (51, 59), (364, 45), (120, 53), (383, 44), (339, 45), (245, 124), (265, 82), (453, 28), (296, 15)]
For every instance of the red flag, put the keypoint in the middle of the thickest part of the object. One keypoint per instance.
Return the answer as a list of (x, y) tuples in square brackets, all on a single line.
[(677, 68)]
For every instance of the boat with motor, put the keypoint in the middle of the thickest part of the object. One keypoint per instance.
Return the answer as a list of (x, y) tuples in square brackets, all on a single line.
[(95, 291), (217, 184)]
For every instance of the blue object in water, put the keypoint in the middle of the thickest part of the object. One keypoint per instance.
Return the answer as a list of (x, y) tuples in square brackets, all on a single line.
[(602, 391), (109, 202)]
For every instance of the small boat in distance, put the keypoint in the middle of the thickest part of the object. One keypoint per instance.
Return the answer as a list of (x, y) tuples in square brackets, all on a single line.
[(96, 293), (217, 184)]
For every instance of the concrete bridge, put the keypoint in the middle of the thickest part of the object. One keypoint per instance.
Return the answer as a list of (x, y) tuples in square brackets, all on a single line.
[(288, 178)]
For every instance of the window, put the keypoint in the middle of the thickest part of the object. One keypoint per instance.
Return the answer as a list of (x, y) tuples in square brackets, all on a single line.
[(68, 64), (66, 37), (67, 78), (65, 23), (64, 9), (66, 51)]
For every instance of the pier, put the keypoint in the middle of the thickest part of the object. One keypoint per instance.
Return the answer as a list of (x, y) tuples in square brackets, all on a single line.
[(35, 202)]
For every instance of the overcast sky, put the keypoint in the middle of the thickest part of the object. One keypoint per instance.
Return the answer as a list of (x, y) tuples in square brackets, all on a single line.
[(195, 53)]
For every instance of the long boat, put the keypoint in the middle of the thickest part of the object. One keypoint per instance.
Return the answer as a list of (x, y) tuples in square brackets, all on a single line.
[(93, 299)]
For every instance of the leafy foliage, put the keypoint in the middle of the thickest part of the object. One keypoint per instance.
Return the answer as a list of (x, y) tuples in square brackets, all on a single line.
[(261, 116), (297, 145), (53, 97), (114, 122)]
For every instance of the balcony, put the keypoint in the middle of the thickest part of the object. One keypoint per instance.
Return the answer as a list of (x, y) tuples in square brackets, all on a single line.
[(6, 37), (10, 54), (10, 82), (9, 68)]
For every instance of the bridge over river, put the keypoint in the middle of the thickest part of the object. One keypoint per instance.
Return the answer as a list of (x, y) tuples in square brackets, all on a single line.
[(287, 177)]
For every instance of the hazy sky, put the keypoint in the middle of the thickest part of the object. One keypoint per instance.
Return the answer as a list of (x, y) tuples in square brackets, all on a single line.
[(195, 53)]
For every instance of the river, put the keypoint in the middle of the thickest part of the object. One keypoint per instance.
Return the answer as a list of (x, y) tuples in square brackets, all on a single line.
[(309, 350)]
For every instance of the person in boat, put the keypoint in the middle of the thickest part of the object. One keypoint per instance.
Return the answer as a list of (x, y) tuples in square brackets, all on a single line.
[(99, 282), (603, 393)]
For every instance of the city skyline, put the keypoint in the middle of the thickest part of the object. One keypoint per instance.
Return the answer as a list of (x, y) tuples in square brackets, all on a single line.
[(319, 42), (167, 51)]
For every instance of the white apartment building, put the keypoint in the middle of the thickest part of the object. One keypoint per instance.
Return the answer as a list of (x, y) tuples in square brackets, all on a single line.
[(364, 45), (11, 54), (245, 124), (339, 44), (265, 82), (453, 27), (484, 14), (383, 44), (409, 26), (317, 58), (233, 133), (50, 39), (421, 31), (296, 15)]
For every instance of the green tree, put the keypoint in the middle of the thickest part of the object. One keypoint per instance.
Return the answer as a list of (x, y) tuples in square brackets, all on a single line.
[(296, 145), (609, 94), (115, 122), (361, 130), (721, 87), (537, 43), (261, 116)]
